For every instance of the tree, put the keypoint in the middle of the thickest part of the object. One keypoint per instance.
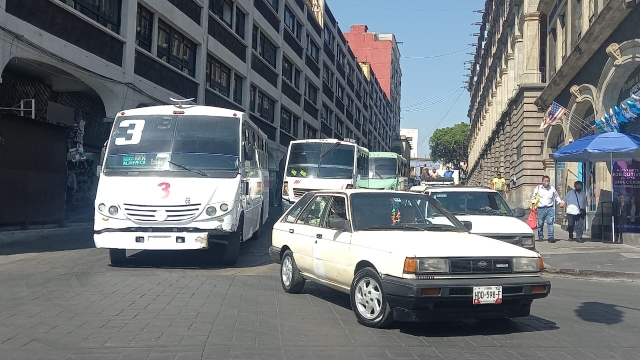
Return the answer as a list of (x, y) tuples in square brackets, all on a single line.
[(450, 145)]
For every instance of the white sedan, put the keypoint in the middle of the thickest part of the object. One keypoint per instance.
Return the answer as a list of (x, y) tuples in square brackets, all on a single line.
[(401, 256)]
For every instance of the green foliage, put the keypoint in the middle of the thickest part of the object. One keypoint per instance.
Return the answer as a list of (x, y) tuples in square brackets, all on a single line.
[(451, 145)]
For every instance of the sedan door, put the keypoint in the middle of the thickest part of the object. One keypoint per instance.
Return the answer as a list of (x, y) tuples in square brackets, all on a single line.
[(306, 231), (331, 250), (286, 233)]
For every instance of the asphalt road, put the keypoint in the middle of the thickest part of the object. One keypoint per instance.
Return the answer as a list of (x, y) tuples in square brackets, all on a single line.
[(59, 299)]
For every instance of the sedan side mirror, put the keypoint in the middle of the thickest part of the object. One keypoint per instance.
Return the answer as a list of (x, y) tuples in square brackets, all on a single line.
[(338, 223), (467, 224), (518, 212)]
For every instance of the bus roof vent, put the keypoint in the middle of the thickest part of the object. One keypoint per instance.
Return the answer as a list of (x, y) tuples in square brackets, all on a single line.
[(181, 101)]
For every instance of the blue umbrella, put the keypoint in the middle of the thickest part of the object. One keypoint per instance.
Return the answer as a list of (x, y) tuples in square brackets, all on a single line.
[(601, 147)]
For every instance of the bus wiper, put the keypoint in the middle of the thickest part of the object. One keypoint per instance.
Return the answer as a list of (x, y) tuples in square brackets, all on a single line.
[(201, 173), (324, 154)]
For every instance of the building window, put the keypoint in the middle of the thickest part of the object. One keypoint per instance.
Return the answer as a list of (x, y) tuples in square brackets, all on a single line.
[(267, 50), (266, 107), (341, 57), (252, 98), (237, 88), (311, 92), (326, 114), (292, 23), (339, 127), (340, 92), (274, 4), (254, 38), (563, 28), (329, 38), (291, 73), (358, 113), (218, 76), (327, 75), (223, 10), (144, 28), (240, 23), (578, 20), (176, 49), (288, 122), (351, 73), (309, 132), (350, 103), (105, 12), (313, 49)]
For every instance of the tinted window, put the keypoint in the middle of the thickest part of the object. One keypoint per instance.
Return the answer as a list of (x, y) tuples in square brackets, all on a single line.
[(314, 214), (297, 208)]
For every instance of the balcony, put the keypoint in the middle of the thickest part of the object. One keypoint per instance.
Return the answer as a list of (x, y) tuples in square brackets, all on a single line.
[(267, 12), (225, 37)]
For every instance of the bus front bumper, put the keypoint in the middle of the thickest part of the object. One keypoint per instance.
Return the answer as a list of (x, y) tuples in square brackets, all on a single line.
[(151, 240)]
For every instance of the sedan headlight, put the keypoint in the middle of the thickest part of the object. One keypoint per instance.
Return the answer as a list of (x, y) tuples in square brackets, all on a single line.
[(527, 240), (426, 266), (528, 264)]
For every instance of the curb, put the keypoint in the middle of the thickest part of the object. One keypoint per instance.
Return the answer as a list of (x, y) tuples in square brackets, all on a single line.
[(10, 237), (600, 274)]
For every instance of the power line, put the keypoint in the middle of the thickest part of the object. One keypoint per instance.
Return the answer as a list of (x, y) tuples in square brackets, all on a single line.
[(436, 56), (443, 117), (431, 105), (420, 103), (342, 3)]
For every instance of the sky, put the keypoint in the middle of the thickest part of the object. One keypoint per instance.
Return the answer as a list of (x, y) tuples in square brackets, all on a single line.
[(433, 94)]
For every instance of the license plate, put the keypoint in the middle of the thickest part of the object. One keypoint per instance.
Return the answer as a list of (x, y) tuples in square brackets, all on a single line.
[(487, 295)]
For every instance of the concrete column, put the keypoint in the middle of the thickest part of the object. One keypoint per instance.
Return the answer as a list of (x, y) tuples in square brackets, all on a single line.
[(531, 56), (128, 31)]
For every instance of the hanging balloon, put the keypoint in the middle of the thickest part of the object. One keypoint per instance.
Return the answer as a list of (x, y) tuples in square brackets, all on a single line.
[(621, 119), (613, 119), (626, 112), (599, 125)]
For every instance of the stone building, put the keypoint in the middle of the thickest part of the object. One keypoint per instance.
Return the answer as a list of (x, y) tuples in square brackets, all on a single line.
[(594, 64), (507, 76)]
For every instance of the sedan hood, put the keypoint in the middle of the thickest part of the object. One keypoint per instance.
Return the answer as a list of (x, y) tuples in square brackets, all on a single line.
[(437, 244)]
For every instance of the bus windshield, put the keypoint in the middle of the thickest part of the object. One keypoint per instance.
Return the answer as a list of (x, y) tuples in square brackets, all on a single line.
[(383, 168), (321, 160), (174, 143)]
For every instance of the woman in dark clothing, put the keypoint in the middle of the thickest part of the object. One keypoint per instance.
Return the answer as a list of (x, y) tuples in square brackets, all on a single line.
[(620, 211)]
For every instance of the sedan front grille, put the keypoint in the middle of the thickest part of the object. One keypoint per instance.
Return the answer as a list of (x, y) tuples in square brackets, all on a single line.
[(154, 213), (481, 266)]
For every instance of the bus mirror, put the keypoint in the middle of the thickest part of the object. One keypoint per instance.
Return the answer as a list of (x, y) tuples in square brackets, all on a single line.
[(247, 164), (98, 170)]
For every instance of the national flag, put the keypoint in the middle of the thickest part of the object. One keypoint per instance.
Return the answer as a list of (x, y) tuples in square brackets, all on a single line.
[(555, 113)]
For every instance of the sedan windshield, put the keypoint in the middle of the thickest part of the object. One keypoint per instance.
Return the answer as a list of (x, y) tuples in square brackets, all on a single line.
[(473, 203), (174, 143), (402, 211)]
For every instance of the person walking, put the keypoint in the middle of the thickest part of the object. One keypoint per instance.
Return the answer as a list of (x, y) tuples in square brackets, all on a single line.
[(542, 201), (499, 184), (576, 201)]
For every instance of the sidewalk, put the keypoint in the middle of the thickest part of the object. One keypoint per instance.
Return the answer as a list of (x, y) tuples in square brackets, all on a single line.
[(592, 258)]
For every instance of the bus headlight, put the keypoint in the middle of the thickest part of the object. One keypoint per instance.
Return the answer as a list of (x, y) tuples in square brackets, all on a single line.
[(113, 210), (285, 188), (224, 207), (101, 207), (211, 211)]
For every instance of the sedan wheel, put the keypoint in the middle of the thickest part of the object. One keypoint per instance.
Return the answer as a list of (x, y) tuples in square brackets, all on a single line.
[(368, 301), (290, 277)]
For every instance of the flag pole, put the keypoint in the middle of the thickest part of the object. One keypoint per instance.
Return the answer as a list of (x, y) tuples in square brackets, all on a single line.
[(613, 217)]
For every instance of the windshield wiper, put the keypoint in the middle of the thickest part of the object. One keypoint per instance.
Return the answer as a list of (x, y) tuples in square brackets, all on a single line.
[(324, 154), (442, 227), (391, 227), (201, 173)]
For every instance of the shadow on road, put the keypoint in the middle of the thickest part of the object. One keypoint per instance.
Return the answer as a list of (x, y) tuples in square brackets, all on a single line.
[(600, 313), (51, 244), (477, 327)]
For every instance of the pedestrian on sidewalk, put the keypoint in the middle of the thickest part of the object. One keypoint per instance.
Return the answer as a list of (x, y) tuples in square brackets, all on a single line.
[(576, 201), (499, 184), (542, 202)]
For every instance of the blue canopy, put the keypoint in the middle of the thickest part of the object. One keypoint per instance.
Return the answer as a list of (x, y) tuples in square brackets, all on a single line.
[(601, 147)]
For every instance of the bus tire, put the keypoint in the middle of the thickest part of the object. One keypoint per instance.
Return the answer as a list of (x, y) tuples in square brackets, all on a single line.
[(232, 249), (117, 256)]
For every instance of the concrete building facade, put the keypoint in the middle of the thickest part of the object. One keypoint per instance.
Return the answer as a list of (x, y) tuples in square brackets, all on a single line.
[(382, 52), (412, 136), (285, 62), (594, 65), (505, 80)]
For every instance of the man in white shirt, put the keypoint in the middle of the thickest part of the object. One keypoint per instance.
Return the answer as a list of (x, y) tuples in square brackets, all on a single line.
[(576, 201), (544, 207)]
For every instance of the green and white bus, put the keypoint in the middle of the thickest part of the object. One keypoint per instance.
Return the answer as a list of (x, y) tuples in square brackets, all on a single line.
[(388, 171)]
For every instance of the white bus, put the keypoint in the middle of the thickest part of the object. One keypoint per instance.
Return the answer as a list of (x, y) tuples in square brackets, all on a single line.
[(181, 177), (323, 164)]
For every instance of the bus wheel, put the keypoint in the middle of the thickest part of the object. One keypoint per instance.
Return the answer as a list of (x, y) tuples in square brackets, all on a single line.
[(117, 256), (232, 250)]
